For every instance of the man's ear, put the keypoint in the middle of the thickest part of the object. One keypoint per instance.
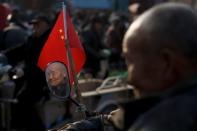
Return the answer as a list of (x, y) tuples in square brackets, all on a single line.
[(168, 62), (172, 63)]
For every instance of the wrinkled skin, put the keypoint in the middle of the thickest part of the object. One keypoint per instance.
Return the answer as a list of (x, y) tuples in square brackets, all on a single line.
[(151, 67)]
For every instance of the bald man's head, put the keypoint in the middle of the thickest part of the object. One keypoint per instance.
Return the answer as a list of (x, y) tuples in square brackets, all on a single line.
[(56, 73), (160, 45), (170, 25)]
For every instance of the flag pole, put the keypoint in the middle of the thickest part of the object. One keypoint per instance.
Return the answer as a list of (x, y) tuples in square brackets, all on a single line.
[(71, 65)]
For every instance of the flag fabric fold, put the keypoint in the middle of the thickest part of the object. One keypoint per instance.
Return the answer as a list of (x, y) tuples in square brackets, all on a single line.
[(55, 48)]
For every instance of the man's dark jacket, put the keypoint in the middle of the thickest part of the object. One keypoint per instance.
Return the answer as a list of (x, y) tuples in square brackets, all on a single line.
[(172, 110), (33, 91)]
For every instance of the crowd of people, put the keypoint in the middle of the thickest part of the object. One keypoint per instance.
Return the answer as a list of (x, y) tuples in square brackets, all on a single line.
[(157, 47), (22, 40)]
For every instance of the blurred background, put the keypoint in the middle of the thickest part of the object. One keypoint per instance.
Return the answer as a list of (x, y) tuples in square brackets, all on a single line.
[(93, 4), (25, 101)]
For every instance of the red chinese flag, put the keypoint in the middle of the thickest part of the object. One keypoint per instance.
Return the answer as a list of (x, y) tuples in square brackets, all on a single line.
[(55, 49)]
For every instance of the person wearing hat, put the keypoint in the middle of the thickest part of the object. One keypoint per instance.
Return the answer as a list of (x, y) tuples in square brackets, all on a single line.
[(40, 24), (33, 91)]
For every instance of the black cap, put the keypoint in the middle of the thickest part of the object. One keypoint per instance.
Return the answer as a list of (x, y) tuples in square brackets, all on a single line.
[(40, 17)]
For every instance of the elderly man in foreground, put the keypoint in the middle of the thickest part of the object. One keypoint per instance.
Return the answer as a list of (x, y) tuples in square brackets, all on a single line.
[(160, 51)]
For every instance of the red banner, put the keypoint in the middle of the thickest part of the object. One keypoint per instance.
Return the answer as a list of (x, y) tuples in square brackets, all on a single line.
[(55, 48)]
